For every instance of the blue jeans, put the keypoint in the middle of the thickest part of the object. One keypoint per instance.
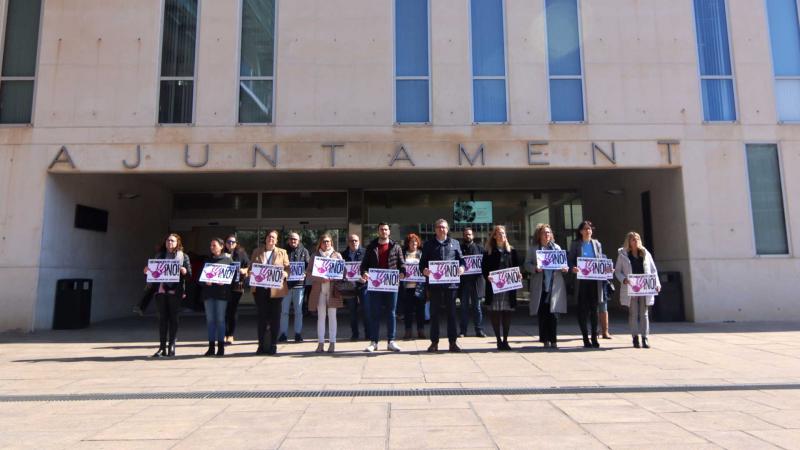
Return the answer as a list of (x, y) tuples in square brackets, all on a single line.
[(294, 298), (470, 303), (215, 319), (377, 301)]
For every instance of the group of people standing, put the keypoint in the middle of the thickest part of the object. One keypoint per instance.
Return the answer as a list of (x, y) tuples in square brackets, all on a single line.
[(548, 289)]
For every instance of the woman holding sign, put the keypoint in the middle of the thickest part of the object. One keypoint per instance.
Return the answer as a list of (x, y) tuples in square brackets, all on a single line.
[(324, 297), (268, 299), (546, 264), (414, 303), (588, 291), (169, 295), (633, 261), (219, 271), (500, 304)]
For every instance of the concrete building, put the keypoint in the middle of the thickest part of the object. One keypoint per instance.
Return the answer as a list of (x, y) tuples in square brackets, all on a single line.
[(675, 118)]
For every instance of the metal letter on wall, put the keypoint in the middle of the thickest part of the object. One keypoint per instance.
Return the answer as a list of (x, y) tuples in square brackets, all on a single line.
[(532, 152), (128, 165), (471, 160), (401, 150), (669, 144), (272, 160), (62, 157), (612, 157), (333, 152), (195, 165)]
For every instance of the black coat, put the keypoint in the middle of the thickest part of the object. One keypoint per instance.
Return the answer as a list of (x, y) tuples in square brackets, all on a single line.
[(396, 259), (180, 287), (243, 259), (499, 259), (296, 255), (216, 291), (433, 250)]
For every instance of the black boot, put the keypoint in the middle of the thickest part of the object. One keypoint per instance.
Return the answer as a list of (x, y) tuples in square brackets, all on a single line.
[(595, 344), (644, 342), (210, 351), (220, 348), (162, 351), (636, 341), (171, 349), (586, 343)]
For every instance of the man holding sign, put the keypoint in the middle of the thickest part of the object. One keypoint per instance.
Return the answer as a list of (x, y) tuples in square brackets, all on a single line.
[(353, 255), (637, 271), (470, 298), (443, 264), (382, 253), (298, 261)]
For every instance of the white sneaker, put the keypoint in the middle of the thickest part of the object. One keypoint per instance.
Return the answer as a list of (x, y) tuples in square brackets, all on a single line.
[(371, 347), (393, 347)]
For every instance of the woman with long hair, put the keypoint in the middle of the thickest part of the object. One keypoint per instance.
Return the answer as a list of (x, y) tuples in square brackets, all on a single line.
[(215, 299), (240, 258), (547, 290), (324, 297), (268, 301), (414, 304), (499, 255), (169, 295), (633, 258), (588, 293)]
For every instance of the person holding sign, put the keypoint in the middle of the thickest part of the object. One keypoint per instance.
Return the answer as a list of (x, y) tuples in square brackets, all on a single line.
[(268, 300), (443, 264), (324, 297), (500, 305), (354, 253), (588, 292), (548, 292), (634, 259), (242, 261), (169, 295), (382, 253), (216, 293), (298, 256), (468, 289), (412, 291)]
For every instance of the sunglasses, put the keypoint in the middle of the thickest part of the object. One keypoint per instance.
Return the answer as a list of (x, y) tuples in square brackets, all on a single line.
[(231, 242)]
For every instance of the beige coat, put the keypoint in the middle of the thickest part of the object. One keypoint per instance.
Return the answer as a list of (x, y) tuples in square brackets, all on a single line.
[(335, 299), (279, 258)]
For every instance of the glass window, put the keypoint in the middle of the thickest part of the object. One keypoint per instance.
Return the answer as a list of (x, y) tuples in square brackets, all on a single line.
[(766, 199), (784, 33), (257, 66), (177, 61), (412, 71), (20, 46), (488, 61), (215, 206), (716, 74), (564, 61)]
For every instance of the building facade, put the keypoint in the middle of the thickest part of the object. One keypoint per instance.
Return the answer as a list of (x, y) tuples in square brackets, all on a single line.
[(679, 119)]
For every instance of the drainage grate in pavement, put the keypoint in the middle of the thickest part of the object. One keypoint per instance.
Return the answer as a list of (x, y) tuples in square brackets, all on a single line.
[(434, 392)]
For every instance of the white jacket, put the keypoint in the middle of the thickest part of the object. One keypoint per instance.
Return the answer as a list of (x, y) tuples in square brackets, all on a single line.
[(623, 269)]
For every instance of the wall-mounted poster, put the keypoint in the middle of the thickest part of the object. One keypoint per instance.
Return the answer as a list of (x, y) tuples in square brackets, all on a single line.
[(472, 212)]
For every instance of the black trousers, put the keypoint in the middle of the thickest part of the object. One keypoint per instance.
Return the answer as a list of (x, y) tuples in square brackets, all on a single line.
[(442, 296), (414, 307), (147, 295), (168, 306), (548, 321), (587, 306), (269, 313), (231, 313)]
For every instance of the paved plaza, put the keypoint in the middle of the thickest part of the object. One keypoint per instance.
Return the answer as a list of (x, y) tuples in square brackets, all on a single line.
[(700, 386)]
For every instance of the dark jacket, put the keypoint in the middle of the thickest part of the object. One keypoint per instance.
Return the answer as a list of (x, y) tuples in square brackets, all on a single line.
[(180, 287), (499, 259), (433, 250), (396, 259), (572, 259), (295, 255), (243, 259), (350, 256), (216, 291)]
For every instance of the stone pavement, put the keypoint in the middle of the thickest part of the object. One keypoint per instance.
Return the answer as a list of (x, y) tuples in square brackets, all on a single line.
[(112, 358)]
